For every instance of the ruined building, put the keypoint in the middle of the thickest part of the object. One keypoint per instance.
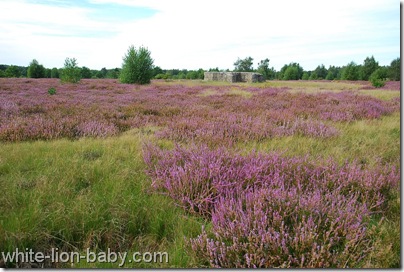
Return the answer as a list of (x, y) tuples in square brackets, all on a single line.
[(234, 76)]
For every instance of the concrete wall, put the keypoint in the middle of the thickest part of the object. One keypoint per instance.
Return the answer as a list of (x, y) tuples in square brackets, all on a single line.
[(234, 76)]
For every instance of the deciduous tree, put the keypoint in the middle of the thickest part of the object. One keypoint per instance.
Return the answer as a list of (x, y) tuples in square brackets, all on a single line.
[(244, 65), (395, 70), (71, 73), (369, 66), (35, 70), (137, 66)]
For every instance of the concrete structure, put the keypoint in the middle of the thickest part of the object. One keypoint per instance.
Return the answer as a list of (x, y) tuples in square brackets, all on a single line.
[(234, 76)]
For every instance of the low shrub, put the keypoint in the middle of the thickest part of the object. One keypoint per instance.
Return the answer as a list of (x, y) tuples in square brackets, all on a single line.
[(377, 78), (271, 211), (52, 91)]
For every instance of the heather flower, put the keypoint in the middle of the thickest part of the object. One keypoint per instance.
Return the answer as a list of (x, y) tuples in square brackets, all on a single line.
[(184, 113), (268, 210), (96, 129)]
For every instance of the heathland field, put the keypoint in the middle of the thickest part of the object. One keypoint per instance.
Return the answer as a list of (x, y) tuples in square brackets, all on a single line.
[(274, 174)]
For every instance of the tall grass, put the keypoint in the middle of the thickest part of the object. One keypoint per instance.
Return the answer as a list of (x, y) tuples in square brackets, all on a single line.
[(369, 142), (86, 194)]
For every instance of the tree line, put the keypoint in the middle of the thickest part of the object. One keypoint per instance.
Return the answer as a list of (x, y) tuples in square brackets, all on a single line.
[(351, 71), (139, 59), (39, 71)]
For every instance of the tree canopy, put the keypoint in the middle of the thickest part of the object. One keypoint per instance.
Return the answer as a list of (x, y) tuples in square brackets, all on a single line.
[(137, 66), (244, 65), (35, 70)]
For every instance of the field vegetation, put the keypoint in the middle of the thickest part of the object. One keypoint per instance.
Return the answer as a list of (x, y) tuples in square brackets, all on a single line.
[(273, 174)]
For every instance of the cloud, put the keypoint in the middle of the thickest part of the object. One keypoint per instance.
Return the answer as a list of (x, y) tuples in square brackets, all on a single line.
[(204, 34), (215, 33)]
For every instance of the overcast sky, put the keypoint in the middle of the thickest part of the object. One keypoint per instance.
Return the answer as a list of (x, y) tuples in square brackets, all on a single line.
[(189, 34)]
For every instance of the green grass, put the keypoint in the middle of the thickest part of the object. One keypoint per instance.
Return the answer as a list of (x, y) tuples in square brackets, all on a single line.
[(233, 91), (381, 94), (240, 92), (366, 141), (313, 86), (208, 93), (87, 193), (294, 85)]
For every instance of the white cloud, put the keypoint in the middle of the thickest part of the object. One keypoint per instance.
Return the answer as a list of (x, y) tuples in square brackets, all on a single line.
[(202, 34)]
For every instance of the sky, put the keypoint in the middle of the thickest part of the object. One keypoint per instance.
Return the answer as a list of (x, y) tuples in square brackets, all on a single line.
[(189, 34)]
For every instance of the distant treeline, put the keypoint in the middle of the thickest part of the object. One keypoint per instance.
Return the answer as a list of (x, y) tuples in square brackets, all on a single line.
[(42, 72), (292, 71), (352, 71)]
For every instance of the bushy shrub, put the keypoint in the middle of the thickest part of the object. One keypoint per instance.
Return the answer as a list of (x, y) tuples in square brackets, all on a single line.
[(377, 78), (161, 76), (52, 91), (377, 82), (35, 70), (71, 73), (137, 66)]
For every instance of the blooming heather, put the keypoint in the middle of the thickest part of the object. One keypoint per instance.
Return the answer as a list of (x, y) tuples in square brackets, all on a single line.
[(272, 211), (214, 115)]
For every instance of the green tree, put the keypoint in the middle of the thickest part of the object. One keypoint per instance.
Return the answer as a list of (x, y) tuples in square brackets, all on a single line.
[(201, 73), (291, 73), (12, 71), (350, 72), (395, 70), (306, 76), (54, 73), (161, 76), (182, 75), (320, 72), (333, 73), (330, 76), (113, 73), (85, 72), (35, 70), (244, 65), (102, 73), (137, 66), (377, 78), (157, 70), (192, 75), (71, 73), (48, 73), (299, 69), (313, 76), (263, 68), (369, 66)]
